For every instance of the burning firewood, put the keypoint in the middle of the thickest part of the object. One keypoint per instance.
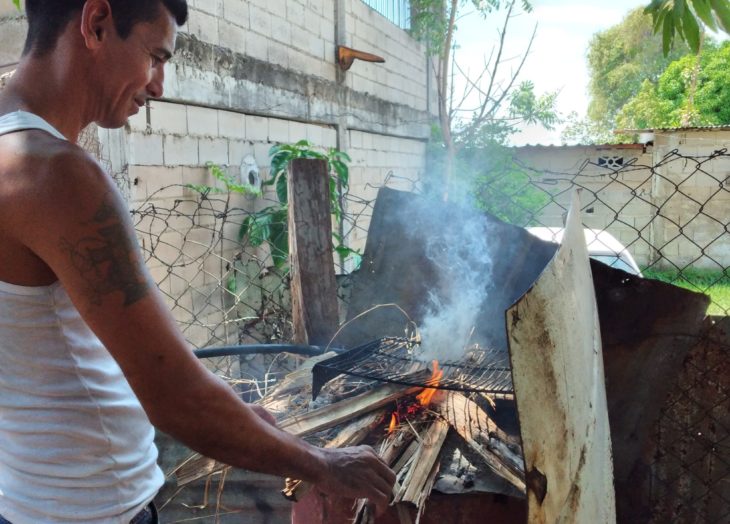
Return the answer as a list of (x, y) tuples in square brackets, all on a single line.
[(473, 425)]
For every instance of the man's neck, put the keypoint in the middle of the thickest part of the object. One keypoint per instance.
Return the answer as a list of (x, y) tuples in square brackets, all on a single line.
[(44, 87)]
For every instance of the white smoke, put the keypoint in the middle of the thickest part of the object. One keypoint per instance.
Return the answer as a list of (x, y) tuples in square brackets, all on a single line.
[(460, 256)]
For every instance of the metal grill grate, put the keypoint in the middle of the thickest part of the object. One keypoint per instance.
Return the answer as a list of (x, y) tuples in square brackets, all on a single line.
[(397, 360)]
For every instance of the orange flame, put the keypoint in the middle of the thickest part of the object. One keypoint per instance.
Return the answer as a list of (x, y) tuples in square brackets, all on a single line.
[(425, 396), (393, 423)]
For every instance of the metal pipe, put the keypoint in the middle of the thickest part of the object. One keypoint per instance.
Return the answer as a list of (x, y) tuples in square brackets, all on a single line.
[(262, 349)]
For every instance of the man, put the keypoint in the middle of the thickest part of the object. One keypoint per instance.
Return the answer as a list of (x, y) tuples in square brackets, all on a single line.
[(89, 353)]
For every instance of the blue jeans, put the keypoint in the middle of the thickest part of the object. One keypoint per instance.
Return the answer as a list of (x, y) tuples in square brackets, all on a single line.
[(148, 515)]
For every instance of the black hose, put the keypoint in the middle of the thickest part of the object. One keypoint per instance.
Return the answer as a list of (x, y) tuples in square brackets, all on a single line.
[(262, 349)]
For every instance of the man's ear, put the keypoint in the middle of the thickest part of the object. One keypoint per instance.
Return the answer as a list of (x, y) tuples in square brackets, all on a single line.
[(96, 22)]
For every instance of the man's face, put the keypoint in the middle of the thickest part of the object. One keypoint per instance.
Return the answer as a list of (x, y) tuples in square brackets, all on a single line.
[(132, 70)]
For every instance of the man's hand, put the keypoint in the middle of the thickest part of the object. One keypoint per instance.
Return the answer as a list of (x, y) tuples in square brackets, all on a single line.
[(357, 472)]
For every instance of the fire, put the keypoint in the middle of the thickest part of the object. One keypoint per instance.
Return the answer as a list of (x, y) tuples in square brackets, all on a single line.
[(393, 423), (407, 410), (425, 396)]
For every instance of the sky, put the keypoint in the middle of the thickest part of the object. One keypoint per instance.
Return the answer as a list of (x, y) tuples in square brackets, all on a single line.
[(557, 61)]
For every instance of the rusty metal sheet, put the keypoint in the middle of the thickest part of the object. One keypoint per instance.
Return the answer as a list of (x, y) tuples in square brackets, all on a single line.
[(557, 366)]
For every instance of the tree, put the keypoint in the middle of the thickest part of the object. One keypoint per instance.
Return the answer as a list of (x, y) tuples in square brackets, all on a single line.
[(684, 94), (490, 106), (620, 59), (684, 19)]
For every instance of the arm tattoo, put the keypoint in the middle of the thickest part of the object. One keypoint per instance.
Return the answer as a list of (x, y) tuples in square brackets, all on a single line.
[(108, 261)]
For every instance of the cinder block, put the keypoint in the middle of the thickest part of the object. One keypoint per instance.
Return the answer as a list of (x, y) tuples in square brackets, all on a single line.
[(231, 125), (214, 7), (237, 12), (261, 154), (278, 54), (202, 121), (281, 29), (313, 21), (181, 151), (260, 20), (279, 130), (162, 182), (237, 150), (314, 134), (168, 118), (232, 36), (257, 128), (295, 13), (298, 131), (213, 150), (204, 26), (145, 149), (276, 7), (138, 122), (256, 45)]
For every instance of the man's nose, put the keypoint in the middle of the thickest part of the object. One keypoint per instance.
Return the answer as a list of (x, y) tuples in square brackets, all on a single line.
[(155, 88)]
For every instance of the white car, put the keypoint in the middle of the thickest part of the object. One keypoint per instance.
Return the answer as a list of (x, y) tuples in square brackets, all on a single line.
[(602, 246)]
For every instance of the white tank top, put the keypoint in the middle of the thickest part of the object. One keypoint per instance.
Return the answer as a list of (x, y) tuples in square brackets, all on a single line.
[(75, 444)]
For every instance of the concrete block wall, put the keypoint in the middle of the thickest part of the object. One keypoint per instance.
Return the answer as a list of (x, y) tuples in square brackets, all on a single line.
[(300, 35), (696, 196), (674, 216), (169, 146), (377, 161), (294, 34), (608, 200), (403, 75)]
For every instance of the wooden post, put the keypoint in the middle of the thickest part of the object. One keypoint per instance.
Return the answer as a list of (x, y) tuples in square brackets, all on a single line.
[(313, 286)]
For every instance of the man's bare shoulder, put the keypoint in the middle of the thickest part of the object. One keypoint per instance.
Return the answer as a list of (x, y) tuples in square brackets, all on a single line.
[(37, 169)]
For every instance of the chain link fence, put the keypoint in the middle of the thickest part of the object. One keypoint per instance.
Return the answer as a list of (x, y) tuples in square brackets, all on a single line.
[(225, 287)]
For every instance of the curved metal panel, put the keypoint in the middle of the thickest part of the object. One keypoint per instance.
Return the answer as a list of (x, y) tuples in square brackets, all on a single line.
[(557, 368)]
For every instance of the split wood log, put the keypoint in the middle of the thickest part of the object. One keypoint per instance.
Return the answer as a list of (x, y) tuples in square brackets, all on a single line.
[(423, 463), (472, 424), (198, 466), (334, 414)]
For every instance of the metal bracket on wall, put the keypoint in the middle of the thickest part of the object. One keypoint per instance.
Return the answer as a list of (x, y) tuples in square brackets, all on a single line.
[(346, 56)]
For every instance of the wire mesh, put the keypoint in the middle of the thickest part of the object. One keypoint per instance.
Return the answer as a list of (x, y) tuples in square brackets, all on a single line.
[(397, 360), (670, 214)]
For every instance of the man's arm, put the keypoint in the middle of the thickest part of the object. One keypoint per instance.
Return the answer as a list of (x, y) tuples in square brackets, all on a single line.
[(86, 237)]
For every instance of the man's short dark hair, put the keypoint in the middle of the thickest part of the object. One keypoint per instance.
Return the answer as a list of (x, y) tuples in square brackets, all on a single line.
[(47, 19)]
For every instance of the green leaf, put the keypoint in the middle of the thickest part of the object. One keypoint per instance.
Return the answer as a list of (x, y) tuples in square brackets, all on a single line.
[(722, 10), (342, 172), (691, 31), (704, 12), (279, 243), (245, 227), (16, 3), (232, 284), (679, 9), (659, 17), (667, 34), (281, 187), (260, 230)]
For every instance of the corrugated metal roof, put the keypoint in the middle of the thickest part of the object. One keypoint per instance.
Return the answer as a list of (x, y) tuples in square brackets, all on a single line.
[(576, 146), (722, 127)]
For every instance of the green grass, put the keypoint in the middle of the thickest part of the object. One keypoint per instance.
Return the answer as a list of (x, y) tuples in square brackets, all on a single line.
[(716, 284)]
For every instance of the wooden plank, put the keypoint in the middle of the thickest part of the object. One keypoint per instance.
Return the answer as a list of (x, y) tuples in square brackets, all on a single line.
[(333, 414), (473, 425), (313, 286), (417, 481)]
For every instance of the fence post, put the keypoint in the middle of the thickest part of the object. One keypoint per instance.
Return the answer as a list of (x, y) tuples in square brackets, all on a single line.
[(313, 286)]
